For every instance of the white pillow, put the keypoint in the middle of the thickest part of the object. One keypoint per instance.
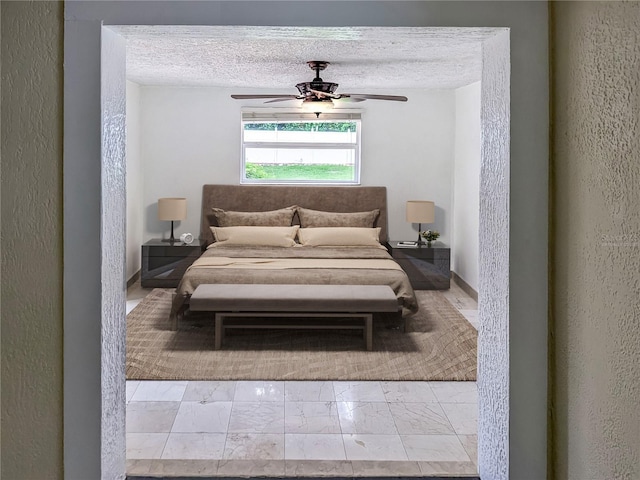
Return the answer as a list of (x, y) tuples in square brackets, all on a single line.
[(249, 235), (339, 237)]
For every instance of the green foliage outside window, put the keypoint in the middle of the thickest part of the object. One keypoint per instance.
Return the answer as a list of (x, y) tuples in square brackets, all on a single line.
[(299, 172), (303, 126)]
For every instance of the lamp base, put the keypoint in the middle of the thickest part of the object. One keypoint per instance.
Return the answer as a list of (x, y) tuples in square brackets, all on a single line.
[(420, 242), (172, 238)]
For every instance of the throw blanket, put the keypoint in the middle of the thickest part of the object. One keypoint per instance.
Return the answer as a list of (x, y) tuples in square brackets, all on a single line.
[(296, 265), (279, 263)]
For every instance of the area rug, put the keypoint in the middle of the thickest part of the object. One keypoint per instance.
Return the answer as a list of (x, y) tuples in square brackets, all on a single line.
[(438, 344)]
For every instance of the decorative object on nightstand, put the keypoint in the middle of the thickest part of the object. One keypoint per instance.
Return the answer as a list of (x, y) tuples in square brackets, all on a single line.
[(420, 211), (427, 268), (186, 238), (171, 210), (430, 236), (163, 264)]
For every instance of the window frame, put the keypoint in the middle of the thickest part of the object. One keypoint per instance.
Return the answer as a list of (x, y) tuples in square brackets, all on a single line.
[(284, 117)]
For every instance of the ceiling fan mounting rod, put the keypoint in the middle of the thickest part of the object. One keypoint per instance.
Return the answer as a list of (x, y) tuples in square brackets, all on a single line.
[(317, 65)]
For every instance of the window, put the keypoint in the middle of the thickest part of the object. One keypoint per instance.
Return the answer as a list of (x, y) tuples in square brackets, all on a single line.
[(300, 148)]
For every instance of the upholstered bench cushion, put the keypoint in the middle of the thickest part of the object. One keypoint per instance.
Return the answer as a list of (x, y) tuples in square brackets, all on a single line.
[(293, 298)]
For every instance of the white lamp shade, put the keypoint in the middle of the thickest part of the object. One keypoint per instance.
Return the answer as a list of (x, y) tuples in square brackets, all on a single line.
[(170, 209), (420, 211)]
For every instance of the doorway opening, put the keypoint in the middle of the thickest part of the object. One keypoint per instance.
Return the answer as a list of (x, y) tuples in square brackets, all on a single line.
[(491, 168)]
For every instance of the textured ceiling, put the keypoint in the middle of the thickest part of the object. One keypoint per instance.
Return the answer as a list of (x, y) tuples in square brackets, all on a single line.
[(274, 58)]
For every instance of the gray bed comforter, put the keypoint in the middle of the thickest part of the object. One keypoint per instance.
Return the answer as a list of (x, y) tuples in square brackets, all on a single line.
[(296, 265)]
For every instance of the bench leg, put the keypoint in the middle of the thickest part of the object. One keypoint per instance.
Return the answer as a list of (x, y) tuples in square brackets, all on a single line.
[(368, 331), (218, 331)]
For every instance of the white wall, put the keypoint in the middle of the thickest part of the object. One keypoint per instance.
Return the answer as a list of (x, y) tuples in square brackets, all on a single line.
[(466, 184), (135, 185), (191, 136)]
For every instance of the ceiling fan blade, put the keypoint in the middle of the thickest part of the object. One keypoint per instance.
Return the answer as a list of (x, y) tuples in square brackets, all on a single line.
[(288, 99), (365, 96), (248, 97), (350, 99)]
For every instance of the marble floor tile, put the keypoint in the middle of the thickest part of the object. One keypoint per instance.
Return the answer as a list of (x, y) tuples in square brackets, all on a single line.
[(463, 417), (308, 391), (376, 468), (169, 468), (213, 391), (202, 417), (374, 447), (257, 417), (131, 386), (408, 392), (366, 417), (455, 392), (470, 444), (311, 417), (145, 445), (151, 417), (313, 446), (459, 298), (135, 294), (434, 448), (131, 304), (358, 392), (251, 468), (448, 468), (254, 446), (258, 391), (159, 391), (420, 419), (194, 446), (318, 468), (138, 466), (470, 315), (460, 303)]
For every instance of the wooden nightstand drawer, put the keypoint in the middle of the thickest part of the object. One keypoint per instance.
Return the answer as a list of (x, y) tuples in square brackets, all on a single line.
[(428, 268), (163, 264)]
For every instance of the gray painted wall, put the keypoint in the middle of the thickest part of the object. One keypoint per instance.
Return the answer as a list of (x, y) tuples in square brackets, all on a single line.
[(43, 446), (32, 405), (597, 240), (31, 240)]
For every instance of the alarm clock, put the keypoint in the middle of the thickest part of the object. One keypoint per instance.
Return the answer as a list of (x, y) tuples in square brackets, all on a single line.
[(186, 238)]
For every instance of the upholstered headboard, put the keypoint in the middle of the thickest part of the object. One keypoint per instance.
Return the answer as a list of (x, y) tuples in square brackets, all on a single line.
[(260, 198)]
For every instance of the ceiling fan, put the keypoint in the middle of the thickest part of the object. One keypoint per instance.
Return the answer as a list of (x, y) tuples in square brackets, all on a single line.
[(317, 95)]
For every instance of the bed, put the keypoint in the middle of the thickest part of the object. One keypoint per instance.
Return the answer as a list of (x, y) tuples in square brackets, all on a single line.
[(259, 234)]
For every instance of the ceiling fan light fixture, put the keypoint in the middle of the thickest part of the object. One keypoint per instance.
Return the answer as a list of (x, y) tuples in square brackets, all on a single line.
[(317, 106)]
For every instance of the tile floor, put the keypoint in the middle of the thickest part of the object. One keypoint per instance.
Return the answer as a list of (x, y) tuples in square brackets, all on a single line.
[(289, 428)]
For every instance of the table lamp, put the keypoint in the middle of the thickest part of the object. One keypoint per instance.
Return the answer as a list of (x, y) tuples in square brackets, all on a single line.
[(420, 211), (172, 209)]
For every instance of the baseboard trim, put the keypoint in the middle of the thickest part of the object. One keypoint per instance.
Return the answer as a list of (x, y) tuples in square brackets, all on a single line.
[(464, 286), (134, 278)]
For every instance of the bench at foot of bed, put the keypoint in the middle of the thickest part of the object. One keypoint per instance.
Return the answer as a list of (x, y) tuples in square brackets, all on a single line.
[(285, 301)]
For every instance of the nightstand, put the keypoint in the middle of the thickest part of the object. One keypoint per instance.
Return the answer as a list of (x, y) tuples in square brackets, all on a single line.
[(164, 263), (428, 268)]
